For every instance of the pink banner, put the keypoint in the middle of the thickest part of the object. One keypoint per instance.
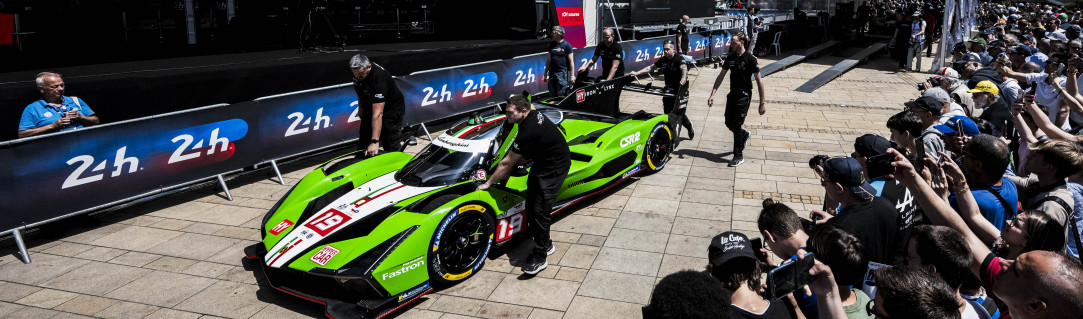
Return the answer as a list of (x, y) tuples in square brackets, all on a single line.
[(570, 15)]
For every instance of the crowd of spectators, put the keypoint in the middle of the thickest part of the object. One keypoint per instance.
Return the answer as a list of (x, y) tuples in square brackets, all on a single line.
[(972, 206)]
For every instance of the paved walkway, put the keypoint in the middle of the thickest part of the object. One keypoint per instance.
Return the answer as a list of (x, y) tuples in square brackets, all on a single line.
[(181, 256)]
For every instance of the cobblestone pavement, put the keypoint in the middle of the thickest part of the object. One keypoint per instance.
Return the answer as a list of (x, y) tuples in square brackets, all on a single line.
[(180, 256)]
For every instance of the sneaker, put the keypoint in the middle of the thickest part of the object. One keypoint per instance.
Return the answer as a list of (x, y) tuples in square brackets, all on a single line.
[(535, 265), (552, 249), (691, 133), (748, 136), (737, 160)]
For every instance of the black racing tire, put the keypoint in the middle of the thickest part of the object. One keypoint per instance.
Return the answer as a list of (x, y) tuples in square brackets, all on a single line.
[(657, 149), (460, 244)]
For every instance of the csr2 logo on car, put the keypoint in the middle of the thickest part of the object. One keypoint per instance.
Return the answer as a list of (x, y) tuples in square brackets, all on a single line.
[(629, 140), (169, 151)]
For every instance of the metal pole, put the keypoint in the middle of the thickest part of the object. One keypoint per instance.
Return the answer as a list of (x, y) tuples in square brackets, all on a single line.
[(224, 188), (190, 20), (614, 17), (274, 166), (426, 131), (22, 245)]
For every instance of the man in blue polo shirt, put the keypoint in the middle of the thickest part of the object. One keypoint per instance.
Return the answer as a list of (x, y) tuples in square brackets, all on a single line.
[(54, 112)]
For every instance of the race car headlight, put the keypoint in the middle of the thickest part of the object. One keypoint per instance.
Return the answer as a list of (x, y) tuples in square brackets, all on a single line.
[(364, 265)]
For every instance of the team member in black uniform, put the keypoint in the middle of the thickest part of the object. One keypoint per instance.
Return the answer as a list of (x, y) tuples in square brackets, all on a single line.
[(683, 31), (381, 104), (744, 67), (542, 142), (611, 53), (676, 73)]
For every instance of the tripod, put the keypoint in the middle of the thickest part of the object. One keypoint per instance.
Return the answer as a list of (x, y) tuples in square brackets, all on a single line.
[(308, 38)]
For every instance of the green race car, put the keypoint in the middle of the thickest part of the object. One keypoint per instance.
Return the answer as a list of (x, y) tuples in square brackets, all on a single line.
[(367, 236)]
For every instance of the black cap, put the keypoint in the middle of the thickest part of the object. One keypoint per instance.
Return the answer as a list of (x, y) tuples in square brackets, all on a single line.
[(926, 103), (1020, 50), (728, 246), (848, 172), (869, 145)]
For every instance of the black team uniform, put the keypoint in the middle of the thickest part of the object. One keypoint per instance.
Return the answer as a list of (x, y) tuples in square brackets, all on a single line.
[(671, 68), (743, 67), (540, 141), (683, 31), (378, 87), (607, 55)]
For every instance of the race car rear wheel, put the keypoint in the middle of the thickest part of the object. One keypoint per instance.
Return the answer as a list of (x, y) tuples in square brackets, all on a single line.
[(658, 148), (460, 244)]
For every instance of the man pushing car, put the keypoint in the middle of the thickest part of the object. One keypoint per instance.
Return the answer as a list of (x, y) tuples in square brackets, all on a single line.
[(540, 141)]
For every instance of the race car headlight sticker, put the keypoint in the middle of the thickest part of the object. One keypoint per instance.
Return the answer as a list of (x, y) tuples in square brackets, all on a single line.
[(365, 264)]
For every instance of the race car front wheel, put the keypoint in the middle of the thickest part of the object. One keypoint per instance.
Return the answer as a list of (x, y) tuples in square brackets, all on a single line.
[(658, 148), (460, 244)]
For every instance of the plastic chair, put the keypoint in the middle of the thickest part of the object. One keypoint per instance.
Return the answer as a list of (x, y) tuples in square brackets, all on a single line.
[(777, 44)]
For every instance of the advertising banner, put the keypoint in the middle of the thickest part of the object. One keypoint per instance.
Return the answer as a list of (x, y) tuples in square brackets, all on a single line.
[(640, 54), (699, 43), (570, 15), (295, 123), (720, 43), (441, 93), (85, 168), (524, 73)]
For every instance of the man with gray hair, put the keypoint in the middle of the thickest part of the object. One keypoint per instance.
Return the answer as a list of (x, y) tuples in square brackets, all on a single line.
[(950, 108), (381, 107), (54, 112), (558, 67)]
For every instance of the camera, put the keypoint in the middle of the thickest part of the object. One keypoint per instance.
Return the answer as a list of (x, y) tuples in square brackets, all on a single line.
[(817, 161)]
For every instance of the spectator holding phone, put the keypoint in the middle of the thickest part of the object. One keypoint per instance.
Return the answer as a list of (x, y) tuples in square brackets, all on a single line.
[(986, 161), (54, 112), (785, 233), (873, 219), (733, 262), (1034, 284)]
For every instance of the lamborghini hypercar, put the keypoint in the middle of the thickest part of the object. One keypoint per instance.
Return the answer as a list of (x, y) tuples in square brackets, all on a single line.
[(365, 236)]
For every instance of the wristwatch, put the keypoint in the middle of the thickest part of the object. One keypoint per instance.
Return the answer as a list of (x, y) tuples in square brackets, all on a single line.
[(374, 141)]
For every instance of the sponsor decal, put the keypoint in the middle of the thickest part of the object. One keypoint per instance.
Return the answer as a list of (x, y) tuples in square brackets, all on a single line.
[(511, 222), (414, 292), (418, 262), (327, 222), (452, 277), (286, 223), (472, 207), (639, 148), (580, 95), (479, 175), (324, 255), (632, 171), (282, 251), (629, 140), (440, 231)]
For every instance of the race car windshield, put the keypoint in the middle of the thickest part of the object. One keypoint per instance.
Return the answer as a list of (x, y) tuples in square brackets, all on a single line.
[(439, 166)]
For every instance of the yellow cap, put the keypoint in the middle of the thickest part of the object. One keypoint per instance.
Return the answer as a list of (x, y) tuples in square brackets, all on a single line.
[(985, 86)]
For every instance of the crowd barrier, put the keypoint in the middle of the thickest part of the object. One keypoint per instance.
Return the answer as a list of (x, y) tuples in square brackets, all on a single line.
[(64, 174)]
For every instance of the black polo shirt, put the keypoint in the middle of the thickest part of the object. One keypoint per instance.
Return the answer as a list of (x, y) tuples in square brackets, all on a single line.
[(742, 68), (379, 87), (608, 54), (671, 68), (541, 141)]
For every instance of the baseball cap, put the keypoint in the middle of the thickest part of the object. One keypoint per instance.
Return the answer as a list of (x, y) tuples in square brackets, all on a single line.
[(1056, 36), (848, 172), (1072, 28), (869, 145), (985, 86), (926, 103), (959, 123), (988, 31), (938, 94), (967, 58), (979, 40), (997, 43), (948, 72), (728, 246), (1020, 50)]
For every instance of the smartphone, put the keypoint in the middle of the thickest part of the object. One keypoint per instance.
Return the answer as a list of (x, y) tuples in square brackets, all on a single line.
[(786, 278), (757, 244), (917, 159), (880, 165)]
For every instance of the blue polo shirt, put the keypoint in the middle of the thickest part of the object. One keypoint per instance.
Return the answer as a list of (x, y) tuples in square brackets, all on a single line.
[(990, 206), (41, 113)]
